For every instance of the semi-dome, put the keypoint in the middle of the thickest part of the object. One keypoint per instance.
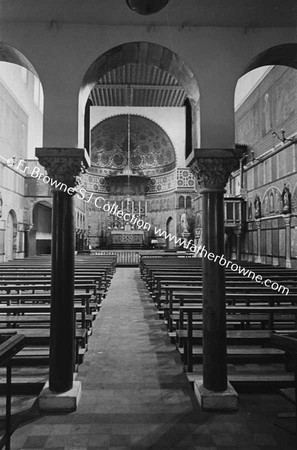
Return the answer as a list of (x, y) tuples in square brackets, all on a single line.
[(151, 150)]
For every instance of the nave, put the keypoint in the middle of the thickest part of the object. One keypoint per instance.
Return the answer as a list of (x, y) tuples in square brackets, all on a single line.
[(135, 393)]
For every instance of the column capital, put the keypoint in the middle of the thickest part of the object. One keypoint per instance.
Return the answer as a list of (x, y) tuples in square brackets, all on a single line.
[(63, 164), (213, 167)]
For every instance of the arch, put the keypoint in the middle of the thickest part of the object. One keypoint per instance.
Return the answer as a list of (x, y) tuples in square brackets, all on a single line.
[(12, 55), (143, 53), (11, 236), (148, 54), (271, 201), (262, 100), (280, 55), (22, 116), (42, 227)]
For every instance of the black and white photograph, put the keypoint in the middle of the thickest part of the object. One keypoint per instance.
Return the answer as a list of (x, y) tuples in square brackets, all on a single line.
[(148, 224)]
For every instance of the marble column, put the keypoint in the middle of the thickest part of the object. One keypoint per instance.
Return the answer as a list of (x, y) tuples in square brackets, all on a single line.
[(212, 168), (62, 165), (287, 220)]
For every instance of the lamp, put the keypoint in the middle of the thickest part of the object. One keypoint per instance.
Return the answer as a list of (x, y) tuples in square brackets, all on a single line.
[(282, 138), (146, 7)]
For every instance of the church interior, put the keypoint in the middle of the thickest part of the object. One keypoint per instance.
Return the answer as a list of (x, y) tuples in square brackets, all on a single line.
[(148, 224)]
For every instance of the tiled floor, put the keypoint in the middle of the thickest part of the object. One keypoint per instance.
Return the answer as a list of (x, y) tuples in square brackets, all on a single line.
[(136, 396)]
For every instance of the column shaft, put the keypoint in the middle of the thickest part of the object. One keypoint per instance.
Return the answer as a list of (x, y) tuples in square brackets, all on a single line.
[(214, 306), (212, 168), (63, 165), (62, 300)]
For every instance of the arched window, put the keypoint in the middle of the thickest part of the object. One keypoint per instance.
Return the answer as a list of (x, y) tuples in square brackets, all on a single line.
[(181, 202), (188, 202)]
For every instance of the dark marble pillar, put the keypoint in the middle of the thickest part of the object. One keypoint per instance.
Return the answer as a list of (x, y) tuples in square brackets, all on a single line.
[(212, 169), (62, 166)]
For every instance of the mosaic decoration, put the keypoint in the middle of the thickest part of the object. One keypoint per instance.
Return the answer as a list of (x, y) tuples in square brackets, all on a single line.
[(272, 202), (185, 179), (163, 183), (94, 183), (179, 179), (163, 204), (152, 152)]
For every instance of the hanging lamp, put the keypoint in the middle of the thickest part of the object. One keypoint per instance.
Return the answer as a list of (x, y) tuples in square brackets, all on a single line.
[(146, 7)]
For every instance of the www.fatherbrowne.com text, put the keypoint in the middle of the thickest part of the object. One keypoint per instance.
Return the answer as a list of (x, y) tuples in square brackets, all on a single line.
[(101, 204)]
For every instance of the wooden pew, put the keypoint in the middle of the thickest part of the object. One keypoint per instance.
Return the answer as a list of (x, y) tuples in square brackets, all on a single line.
[(193, 309)]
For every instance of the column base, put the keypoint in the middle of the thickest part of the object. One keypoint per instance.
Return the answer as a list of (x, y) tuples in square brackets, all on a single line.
[(49, 401), (288, 264), (216, 401), (258, 259)]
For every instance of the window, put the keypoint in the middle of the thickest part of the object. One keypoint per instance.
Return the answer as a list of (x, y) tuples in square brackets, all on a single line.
[(181, 202), (188, 202)]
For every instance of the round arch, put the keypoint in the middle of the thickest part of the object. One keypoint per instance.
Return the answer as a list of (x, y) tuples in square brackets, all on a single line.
[(11, 236), (280, 55), (148, 54), (25, 97), (12, 55), (42, 228)]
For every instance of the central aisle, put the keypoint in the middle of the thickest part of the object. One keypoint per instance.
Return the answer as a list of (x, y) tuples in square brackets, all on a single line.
[(131, 373)]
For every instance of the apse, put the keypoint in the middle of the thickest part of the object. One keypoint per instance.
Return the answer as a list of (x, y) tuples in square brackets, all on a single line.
[(151, 150)]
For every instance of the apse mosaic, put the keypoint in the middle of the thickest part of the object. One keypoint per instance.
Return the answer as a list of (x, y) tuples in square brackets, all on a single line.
[(182, 178), (152, 152), (272, 202)]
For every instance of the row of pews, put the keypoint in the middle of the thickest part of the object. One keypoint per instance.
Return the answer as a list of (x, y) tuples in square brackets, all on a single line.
[(25, 297), (254, 315)]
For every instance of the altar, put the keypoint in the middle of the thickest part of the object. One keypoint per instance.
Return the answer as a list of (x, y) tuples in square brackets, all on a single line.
[(127, 238)]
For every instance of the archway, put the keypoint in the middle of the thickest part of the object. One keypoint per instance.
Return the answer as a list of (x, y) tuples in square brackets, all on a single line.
[(42, 228), (143, 64), (21, 127), (132, 83), (11, 236), (266, 124)]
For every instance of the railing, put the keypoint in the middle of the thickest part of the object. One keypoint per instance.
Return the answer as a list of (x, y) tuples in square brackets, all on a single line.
[(124, 257), (132, 257), (8, 349)]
